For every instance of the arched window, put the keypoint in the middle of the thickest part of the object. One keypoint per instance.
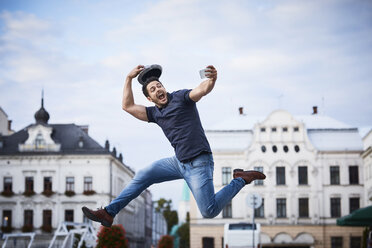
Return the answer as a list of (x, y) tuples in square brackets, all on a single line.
[(39, 141)]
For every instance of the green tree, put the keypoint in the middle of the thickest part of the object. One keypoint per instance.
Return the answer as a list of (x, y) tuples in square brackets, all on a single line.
[(184, 233), (171, 217)]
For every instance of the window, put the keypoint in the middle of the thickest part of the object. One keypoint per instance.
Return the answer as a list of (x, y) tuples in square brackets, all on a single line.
[(70, 183), (281, 211), (354, 204), (303, 207), (7, 219), (8, 183), (302, 175), (69, 215), (285, 149), (208, 242), (260, 169), (88, 182), (227, 211), (86, 220), (263, 149), (39, 141), (335, 207), (28, 218), (353, 174), (275, 149), (226, 175), (260, 212), (296, 129), (29, 184), (273, 129), (263, 129), (355, 242), (285, 129), (47, 183), (336, 242), (47, 218), (81, 142), (296, 148), (280, 175), (335, 174)]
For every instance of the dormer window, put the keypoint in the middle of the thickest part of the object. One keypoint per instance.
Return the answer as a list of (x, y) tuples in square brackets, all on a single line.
[(39, 141), (80, 143), (296, 129), (273, 129), (263, 129), (285, 129)]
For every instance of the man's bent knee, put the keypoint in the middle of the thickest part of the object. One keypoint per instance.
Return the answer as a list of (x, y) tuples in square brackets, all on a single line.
[(209, 214)]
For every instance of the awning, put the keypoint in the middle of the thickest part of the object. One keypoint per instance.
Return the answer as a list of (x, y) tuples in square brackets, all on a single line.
[(360, 217)]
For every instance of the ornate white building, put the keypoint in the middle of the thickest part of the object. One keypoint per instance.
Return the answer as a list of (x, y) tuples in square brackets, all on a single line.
[(49, 171), (314, 175), (367, 158)]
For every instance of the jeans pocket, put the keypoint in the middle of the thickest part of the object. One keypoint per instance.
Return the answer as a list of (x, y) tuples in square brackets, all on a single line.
[(203, 160), (199, 163)]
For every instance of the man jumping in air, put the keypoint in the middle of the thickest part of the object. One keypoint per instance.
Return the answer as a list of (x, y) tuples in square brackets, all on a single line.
[(177, 115)]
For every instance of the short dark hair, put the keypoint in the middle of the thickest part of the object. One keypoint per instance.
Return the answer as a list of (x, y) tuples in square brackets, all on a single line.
[(149, 80)]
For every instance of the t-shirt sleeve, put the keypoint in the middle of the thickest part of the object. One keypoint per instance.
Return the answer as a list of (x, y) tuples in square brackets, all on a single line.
[(150, 114), (186, 94)]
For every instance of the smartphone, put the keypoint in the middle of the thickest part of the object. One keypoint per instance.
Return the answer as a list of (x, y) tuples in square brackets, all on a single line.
[(203, 74)]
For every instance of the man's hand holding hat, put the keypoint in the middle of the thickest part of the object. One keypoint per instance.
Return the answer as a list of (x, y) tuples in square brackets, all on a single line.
[(134, 73)]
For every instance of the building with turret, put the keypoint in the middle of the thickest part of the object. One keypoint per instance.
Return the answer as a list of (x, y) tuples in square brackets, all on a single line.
[(48, 172), (314, 172)]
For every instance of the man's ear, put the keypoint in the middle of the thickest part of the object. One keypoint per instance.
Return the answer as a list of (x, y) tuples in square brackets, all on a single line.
[(149, 98)]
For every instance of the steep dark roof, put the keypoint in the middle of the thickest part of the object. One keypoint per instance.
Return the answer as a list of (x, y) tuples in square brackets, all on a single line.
[(68, 135)]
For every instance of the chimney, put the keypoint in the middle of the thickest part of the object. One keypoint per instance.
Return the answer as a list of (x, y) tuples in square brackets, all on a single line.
[(113, 153), (315, 110), (85, 128), (241, 111), (107, 145), (9, 125)]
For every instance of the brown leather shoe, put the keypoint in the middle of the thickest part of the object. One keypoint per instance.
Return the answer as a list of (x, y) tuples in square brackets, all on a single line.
[(249, 175), (100, 216)]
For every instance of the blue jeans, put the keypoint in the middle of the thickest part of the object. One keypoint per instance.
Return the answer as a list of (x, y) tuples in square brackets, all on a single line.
[(198, 174)]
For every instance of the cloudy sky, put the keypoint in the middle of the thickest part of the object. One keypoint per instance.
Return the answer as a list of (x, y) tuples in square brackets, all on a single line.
[(269, 55)]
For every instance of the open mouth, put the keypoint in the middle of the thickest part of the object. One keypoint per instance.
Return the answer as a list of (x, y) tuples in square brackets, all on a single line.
[(161, 96)]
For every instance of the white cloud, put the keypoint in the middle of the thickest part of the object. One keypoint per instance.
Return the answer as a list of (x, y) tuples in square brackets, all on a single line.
[(25, 28), (262, 62)]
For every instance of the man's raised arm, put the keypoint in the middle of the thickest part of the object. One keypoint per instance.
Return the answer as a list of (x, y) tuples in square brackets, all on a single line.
[(138, 111), (206, 86)]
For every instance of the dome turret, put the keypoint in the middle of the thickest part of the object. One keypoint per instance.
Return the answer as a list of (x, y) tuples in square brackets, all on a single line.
[(42, 116)]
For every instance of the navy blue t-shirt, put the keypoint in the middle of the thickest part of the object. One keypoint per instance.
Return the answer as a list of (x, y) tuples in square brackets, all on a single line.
[(181, 124)]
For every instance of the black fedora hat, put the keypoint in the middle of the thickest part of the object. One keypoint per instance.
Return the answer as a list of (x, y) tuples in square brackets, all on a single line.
[(152, 71)]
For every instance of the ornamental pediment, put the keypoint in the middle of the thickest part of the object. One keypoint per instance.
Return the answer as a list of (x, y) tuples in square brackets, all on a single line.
[(39, 140)]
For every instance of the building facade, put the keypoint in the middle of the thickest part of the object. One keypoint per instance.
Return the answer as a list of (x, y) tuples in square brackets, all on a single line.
[(367, 160), (159, 226), (5, 124), (48, 172), (314, 175)]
